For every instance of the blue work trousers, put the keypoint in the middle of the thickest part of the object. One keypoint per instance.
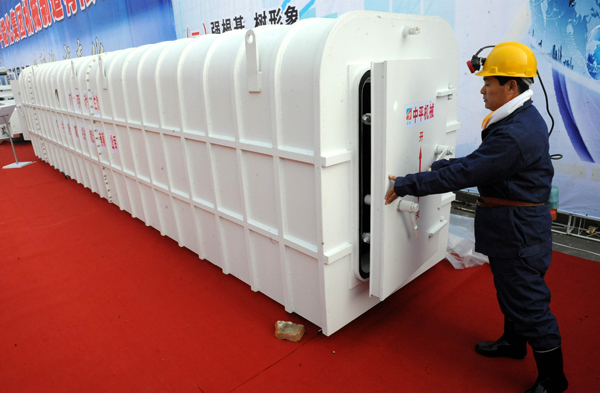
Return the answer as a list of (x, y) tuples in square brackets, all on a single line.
[(524, 297)]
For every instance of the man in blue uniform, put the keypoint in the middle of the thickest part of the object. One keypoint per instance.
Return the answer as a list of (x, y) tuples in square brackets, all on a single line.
[(513, 172)]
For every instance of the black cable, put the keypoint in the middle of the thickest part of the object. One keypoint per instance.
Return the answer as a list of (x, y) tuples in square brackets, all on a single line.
[(547, 104), (553, 156), (479, 51)]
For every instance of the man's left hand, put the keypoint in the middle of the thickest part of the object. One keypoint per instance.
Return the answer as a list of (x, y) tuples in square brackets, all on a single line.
[(391, 196)]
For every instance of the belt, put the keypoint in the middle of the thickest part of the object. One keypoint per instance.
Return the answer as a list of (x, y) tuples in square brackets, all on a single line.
[(495, 202)]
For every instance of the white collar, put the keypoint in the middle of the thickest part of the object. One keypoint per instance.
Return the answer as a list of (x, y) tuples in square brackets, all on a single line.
[(509, 107)]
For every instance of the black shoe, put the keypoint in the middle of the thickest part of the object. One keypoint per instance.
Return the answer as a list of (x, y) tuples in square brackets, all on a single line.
[(510, 345), (501, 348), (551, 377)]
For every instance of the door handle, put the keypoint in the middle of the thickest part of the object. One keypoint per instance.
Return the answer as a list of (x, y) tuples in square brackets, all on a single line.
[(411, 208), (442, 151)]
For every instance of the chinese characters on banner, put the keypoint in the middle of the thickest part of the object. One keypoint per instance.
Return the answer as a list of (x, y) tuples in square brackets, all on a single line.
[(275, 16), (29, 17)]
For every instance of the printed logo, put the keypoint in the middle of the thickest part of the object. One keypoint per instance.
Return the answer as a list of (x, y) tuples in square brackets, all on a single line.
[(419, 113)]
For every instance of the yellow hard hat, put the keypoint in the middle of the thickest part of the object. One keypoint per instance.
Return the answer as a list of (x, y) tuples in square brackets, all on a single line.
[(510, 59)]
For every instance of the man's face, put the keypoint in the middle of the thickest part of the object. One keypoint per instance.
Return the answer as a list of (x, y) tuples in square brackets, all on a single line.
[(494, 95)]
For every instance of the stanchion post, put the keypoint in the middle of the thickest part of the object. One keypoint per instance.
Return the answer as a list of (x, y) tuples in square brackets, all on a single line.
[(15, 164)]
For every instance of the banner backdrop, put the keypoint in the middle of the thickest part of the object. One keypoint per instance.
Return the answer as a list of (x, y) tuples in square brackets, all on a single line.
[(565, 36), (194, 18), (40, 31)]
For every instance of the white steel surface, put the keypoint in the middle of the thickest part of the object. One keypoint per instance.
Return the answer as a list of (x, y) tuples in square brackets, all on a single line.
[(408, 143), (243, 148)]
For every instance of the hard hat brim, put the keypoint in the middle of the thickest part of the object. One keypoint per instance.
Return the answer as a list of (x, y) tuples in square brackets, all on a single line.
[(528, 74)]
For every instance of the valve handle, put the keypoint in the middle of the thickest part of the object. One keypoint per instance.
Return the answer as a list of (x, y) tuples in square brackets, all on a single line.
[(411, 208), (442, 151)]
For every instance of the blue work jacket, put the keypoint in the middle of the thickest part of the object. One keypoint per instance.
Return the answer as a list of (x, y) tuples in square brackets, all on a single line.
[(512, 162)]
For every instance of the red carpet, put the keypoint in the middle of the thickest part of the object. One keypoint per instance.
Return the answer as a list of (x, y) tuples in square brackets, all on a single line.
[(92, 300)]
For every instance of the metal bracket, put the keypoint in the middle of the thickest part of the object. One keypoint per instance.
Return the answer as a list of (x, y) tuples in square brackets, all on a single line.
[(411, 30), (451, 127), (437, 227), (104, 79), (450, 91), (252, 63)]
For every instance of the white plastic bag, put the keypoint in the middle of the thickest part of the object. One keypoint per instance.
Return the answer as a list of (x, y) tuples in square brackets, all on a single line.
[(461, 243)]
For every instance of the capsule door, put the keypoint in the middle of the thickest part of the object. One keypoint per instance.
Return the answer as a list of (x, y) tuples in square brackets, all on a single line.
[(409, 113)]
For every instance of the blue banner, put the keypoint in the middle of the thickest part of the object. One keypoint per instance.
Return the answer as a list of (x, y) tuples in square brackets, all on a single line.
[(40, 31)]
